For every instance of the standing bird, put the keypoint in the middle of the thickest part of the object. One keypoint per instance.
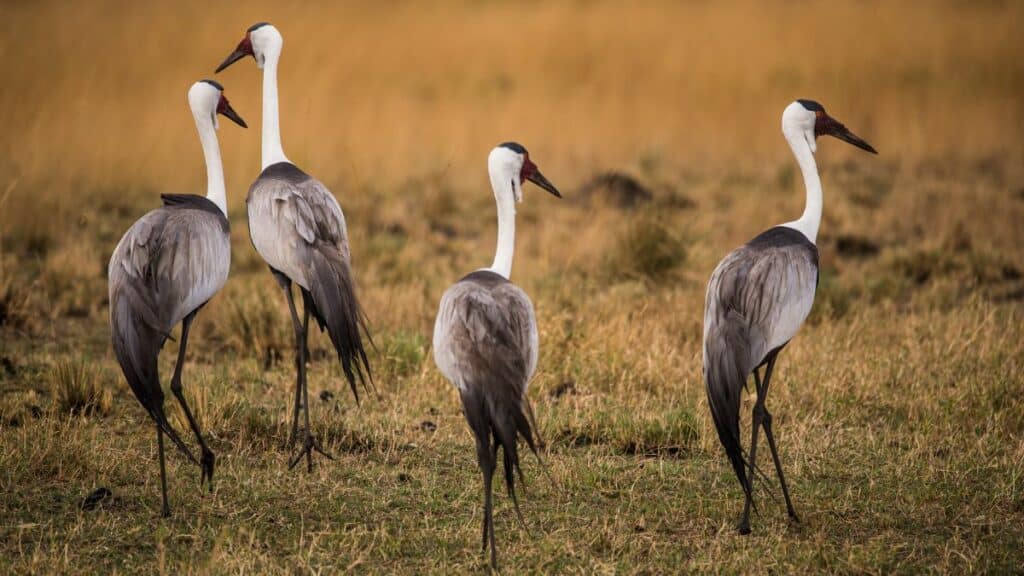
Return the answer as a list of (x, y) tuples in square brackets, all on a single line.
[(757, 299), (164, 269), (298, 228), (485, 338)]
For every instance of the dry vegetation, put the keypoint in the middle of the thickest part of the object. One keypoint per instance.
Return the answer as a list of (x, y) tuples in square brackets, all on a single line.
[(898, 406)]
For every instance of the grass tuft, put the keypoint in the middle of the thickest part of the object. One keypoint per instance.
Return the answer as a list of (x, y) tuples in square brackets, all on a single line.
[(80, 388)]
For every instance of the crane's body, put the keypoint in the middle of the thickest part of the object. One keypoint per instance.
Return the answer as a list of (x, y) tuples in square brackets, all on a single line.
[(758, 297), (166, 267), (298, 228), (486, 340)]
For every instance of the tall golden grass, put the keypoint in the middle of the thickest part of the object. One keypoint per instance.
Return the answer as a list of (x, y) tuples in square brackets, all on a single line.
[(373, 92)]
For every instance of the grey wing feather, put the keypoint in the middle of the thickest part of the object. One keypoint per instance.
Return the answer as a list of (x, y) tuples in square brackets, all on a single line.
[(297, 226), (485, 343), (170, 262), (486, 337), (757, 298)]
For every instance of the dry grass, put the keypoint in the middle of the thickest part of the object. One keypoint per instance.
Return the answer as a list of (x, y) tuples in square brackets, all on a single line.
[(898, 406)]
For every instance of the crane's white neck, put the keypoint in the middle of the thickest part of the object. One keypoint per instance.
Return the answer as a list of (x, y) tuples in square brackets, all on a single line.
[(214, 169), (506, 234), (809, 222), (272, 151)]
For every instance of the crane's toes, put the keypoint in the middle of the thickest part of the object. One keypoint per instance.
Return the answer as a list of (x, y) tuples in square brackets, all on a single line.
[(207, 463), (743, 528), (310, 445)]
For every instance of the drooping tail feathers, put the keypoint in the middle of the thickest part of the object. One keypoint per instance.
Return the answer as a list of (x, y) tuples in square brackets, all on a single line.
[(137, 340), (332, 294), (502, 419), (726, 352)]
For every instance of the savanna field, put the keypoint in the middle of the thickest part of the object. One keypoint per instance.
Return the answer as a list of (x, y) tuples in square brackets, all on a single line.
[(898, 407)]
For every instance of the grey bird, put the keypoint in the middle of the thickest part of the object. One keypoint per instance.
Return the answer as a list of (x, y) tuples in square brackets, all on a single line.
[(164, 269), (297, 226), (485, 340), (758, 297)]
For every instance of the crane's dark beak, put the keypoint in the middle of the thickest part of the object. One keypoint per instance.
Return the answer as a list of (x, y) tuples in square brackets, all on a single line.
[(532, 173), (243, 49), (231, 59), (832, 127), (223, 107), (539, 179)]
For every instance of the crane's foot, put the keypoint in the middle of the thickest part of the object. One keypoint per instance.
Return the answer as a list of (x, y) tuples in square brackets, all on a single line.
[(793, 517), (744, 527), (309, 445), (206, 463)]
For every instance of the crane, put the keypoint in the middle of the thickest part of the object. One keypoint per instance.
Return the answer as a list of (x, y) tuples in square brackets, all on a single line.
[(758, 297), (165, 268), (486, 343), (297, 226)]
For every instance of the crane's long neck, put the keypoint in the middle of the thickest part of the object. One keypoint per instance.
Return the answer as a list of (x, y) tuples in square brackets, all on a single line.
[(272, 151), (809, 222), (506, 234), (214, 169)]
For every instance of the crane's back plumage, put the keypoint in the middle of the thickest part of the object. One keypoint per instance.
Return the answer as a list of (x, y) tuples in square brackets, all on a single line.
[(485, 343), (297, 226), (757, 298), (166, 266)]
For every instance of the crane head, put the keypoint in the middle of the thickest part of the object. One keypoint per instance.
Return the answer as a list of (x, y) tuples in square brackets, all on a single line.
[(259, 40), (809, 118), (510, 162), (206, 98)]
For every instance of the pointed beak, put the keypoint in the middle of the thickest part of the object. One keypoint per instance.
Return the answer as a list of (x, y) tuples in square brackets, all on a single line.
[(836, 129), (231, 59), (537, 178), (225, 108)]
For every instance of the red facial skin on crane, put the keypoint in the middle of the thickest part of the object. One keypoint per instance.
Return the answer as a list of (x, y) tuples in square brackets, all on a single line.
[(827, 125), (528, 169), (245, 47)]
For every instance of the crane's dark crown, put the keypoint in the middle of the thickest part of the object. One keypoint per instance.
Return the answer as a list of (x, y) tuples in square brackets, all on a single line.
[(257, 26), (811, 105), (513, 146), (214, 83)]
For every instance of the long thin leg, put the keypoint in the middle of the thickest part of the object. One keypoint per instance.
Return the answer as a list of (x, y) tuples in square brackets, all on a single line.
[(771, 443), (305, 404), (163, 471), (488, 463), (744, 527), (301, 392), (207, 460), (300, 361)]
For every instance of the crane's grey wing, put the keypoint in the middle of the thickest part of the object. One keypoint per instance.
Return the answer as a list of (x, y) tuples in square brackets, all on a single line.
[(289, 212), (194, 257), (298, 228), (767, 284), (485, 343), (170, 262), (757, 298), (486, 335)]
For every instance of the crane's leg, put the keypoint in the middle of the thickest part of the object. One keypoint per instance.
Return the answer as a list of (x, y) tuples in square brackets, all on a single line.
[(486, 455), (755, 426), (166, 512), (301, 392), (300, 381), (206, 461), (300, 361), (771, 442)]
